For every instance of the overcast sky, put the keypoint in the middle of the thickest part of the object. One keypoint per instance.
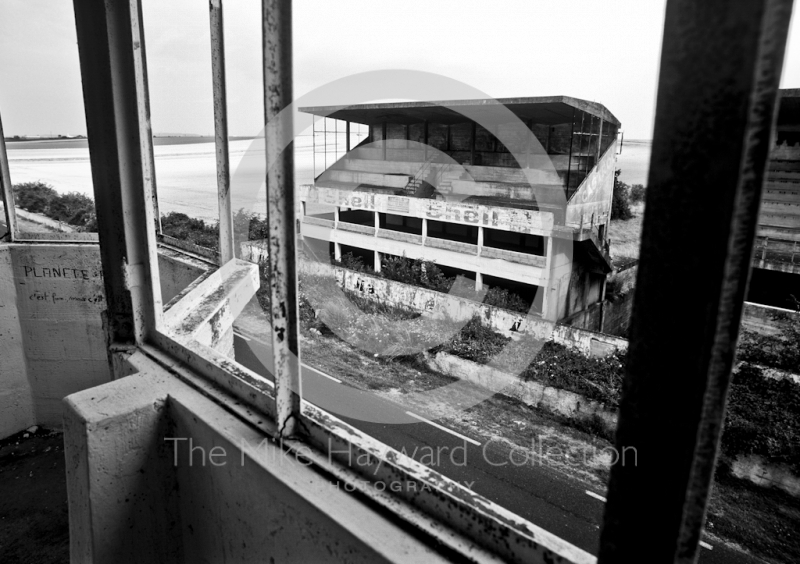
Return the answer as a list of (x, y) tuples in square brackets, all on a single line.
[(603, 51)]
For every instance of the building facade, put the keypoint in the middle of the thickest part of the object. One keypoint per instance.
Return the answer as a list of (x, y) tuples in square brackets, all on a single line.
[(511, 193)]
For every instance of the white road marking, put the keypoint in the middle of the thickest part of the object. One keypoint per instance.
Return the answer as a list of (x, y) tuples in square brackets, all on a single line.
[(596, 496), (706, 545), (445, 429), (322, 374), (242, 336)]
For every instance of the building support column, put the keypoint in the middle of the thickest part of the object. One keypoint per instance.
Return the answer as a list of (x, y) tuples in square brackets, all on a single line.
[(384, 140), (480, 239), (347, 136), (377, 261), (472, 143), (335, 217), (478, 281), (424, 230), (425, 140), (337, 251)]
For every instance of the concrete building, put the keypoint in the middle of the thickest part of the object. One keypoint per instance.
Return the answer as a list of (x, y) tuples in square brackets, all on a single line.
[(514, 193), (776, 261)]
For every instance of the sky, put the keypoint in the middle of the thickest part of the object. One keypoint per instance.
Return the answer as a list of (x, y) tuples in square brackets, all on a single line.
[(605, 51)]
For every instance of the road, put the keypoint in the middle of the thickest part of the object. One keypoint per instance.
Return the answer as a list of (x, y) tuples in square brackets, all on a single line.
[(547, 497)]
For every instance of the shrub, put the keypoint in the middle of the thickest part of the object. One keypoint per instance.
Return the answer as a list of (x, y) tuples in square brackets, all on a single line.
[(781, 353), (181, 226), (352, 262), (250, 226), (620, 201), (417, 272), (34, 196), (72, 208), (763, 417), (475, 342), (637, 193), (501, 297)]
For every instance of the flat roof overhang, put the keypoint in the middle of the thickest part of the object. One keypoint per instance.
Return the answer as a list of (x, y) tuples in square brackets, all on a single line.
[(549, 110)]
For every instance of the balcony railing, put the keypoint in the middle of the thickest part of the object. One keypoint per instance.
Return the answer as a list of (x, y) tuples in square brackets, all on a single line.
[(513, 256), (357, 228), (400, 236), (448, 245)]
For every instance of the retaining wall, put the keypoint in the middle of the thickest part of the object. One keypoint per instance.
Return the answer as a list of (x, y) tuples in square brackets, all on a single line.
[(441, 305), (555, 400)]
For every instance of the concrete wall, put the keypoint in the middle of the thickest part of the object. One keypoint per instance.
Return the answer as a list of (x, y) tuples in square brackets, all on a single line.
[(16, 396), (440, 305), (177, 270), (555, 400), (52, 341), (59, 300), (137, 495)]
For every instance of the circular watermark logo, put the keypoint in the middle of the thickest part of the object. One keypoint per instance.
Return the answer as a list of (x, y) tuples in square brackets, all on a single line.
[(446, 186)]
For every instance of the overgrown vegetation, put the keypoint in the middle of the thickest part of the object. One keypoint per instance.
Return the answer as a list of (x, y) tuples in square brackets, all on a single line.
[(197, 231), (637, 193), (506, 299), (782, 352), (71, 208), (763, 417), (427, 274), (620, 200)]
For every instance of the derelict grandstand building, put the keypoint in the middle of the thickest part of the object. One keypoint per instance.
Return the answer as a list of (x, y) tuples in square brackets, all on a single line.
[(513, 193)]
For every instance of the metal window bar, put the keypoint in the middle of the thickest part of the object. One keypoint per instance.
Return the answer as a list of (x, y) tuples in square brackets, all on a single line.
[(7, 192), (226, 236), (278, 94), (720, 69), (112, 62)]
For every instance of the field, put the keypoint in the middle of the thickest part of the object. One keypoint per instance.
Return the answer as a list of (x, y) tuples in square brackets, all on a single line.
[(626, 235)]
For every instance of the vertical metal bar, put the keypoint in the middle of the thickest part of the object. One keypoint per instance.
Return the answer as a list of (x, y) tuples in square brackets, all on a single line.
[(277, 37), (347, 134), (226, 245), (569, 162), (473, 133), (425, 141), (314, 145), (8, 192), (384, 140), (720, 70), (325, 126), (112, 61)]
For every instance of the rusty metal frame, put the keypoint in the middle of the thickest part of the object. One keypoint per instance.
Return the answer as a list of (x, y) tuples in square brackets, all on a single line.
[(226, 245), (717, 96), (278, 94), (5, 188), (113, 71)]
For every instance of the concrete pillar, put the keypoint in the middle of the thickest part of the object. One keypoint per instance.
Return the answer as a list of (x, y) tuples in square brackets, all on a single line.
[(377, 261), (478, 281), (480, 240), (347, 136), (377, 222), (384, 141), (336, 217), (424, 230), (337, 251)]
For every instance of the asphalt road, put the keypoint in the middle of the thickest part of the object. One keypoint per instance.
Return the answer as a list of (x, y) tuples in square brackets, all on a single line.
[(549, 498)]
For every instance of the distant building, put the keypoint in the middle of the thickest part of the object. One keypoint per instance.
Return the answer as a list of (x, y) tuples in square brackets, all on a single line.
[(776, 260), (515, 194)]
